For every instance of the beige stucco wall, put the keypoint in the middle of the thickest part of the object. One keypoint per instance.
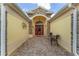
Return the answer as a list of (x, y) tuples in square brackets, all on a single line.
[(62, 26), (16, 34)]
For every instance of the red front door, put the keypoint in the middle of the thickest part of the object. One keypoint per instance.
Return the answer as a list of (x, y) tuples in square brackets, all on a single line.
[(39, 30)]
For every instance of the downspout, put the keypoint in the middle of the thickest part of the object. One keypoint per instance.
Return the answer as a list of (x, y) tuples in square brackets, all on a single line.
[(3, 30)]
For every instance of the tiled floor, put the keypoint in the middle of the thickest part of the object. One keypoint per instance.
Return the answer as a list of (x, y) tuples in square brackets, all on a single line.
[(40, 46)]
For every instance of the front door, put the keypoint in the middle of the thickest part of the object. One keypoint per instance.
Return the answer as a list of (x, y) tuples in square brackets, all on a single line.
[(39, 30)]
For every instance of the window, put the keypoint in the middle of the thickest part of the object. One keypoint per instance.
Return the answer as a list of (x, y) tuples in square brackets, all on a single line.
[(39, 23)]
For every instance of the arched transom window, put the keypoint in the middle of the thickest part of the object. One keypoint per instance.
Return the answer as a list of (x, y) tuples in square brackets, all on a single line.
[(39, 23)]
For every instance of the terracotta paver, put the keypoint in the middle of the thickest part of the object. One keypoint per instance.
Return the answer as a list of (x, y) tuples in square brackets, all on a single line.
[(40, 46)]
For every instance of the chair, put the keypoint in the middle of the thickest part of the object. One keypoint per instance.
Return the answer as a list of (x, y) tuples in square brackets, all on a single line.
[(54, 38)]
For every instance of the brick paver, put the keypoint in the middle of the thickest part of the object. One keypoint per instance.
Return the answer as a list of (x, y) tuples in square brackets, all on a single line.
[(40, 46)]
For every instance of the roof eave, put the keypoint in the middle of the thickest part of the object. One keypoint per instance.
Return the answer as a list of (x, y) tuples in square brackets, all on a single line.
[(21, 13), (60, 12)]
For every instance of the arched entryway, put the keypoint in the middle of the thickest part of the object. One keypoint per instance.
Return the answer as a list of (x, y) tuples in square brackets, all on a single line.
[(39, 28)]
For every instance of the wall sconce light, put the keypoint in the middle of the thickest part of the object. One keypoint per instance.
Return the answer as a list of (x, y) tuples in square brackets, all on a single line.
[(24, 25)]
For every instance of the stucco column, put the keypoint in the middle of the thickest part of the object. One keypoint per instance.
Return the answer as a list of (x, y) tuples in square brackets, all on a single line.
[(48, 28), (3, 30), (75, 31)]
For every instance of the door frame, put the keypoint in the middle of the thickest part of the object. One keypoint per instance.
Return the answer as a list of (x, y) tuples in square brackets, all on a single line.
[(41, 28)]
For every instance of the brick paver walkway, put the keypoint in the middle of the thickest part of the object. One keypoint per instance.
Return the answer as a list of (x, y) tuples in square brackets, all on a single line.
[(39, 46)]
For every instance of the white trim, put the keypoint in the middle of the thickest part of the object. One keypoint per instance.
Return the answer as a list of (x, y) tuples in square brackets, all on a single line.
[(75, 31), (3, 30)]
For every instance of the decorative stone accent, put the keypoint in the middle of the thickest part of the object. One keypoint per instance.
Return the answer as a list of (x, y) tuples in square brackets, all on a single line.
[(39, 10)]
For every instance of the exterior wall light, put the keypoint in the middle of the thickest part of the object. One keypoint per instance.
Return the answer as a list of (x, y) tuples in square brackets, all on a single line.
[(24, 25)]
